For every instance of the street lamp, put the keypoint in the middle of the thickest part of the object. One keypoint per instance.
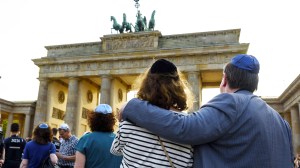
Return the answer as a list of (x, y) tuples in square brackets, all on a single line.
[(137, 5)]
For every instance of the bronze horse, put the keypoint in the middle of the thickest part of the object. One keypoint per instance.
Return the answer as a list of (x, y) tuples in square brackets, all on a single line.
[(152, 22), (116, 25), (121, 28), (125, 25)]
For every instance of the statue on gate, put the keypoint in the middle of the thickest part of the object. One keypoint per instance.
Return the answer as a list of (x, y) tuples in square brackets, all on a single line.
[(125, 25), (140, 24), (152, 22), (116, 25)]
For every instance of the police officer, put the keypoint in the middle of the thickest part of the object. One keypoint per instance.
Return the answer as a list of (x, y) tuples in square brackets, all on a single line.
[(13, 148)]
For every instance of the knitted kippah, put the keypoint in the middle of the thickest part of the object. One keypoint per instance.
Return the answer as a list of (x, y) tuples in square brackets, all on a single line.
[(246, 62), (163, 66)]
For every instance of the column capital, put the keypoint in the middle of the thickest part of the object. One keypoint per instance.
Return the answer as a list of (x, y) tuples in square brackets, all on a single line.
[(106, 76), (74, 78), (193, 72), (293, 108), (43, 79)]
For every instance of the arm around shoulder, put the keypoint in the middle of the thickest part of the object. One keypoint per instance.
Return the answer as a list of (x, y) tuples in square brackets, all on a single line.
[(205, 125)]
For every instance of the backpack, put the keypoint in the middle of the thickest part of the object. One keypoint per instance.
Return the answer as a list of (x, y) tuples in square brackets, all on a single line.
[(47, 163)]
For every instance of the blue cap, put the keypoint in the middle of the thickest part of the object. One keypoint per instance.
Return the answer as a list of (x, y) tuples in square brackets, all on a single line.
[(103, 108), (246, 62)]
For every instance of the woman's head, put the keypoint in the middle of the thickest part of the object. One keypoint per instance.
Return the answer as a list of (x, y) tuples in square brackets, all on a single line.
[(42, 133), (163, 85), (102, 119)]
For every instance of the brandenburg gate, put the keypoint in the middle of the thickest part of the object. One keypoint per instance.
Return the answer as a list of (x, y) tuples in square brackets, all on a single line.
[(75, 78)]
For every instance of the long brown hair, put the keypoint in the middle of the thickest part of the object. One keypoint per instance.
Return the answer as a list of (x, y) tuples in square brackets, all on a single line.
[(42, 133), (165, 90)]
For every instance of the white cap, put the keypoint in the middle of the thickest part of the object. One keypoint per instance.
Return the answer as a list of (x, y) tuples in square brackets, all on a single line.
[(103, 108), (64, 127)]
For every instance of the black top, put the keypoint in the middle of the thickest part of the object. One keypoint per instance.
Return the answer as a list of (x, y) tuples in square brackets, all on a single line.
[(56, 142), (14, 147)]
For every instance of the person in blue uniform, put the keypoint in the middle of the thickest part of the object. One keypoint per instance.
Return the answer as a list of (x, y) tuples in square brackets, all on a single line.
[(13, 148), (235, 129)]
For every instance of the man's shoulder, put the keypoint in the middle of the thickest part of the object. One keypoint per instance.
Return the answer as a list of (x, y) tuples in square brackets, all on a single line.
[(73, 139), (223, 98), (238, 97), (6, 139), (9, 139), (230, 103)]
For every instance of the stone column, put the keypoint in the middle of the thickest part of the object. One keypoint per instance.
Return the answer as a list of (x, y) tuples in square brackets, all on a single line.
[(9, 122), (287, 117), (72, 109), (48, 111), (41, 105), (295, 128), (105, 90), (299, 109), (27, 125), (195, 83)]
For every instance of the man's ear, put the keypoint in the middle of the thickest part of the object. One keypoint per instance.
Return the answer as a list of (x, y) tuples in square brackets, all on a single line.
[(224, 81)]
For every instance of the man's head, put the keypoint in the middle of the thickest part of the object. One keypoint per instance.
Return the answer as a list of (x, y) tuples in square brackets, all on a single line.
[(14, 127), (64, 131), (240, 73)]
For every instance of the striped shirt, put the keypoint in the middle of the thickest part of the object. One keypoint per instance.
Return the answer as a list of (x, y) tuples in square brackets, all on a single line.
[(141, 148)]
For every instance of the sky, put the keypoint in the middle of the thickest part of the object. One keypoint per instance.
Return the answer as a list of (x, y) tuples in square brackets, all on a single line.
[(271, 27)]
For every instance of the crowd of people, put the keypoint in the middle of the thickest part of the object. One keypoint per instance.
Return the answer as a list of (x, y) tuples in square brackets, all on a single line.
[(236, 129)]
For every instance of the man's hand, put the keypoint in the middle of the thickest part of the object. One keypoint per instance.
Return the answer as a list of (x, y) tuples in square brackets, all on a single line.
[(1, 162), (59, 155)]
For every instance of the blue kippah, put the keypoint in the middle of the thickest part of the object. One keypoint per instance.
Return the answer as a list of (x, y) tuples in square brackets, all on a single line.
[(43, 125), (246, 62), (103, 108)]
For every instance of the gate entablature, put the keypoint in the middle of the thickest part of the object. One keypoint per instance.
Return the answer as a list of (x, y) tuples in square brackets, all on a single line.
[(131, 53)]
